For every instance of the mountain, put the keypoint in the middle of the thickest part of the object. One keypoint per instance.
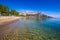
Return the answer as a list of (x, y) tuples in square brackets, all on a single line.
[(36, 14)]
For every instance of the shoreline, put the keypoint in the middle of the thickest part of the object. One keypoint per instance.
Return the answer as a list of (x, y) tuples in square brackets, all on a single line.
[(4, 20)]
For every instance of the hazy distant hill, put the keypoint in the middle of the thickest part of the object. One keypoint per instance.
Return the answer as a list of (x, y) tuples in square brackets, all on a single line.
[(36, 14)]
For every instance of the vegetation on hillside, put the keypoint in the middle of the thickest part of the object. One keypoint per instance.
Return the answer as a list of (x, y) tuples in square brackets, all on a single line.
[(4, 11)]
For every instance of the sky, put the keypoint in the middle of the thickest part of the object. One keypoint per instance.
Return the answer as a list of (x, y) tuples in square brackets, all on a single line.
[(49, 7)]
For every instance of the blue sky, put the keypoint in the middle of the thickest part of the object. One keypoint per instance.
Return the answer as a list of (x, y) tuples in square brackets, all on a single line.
[(50, 7)]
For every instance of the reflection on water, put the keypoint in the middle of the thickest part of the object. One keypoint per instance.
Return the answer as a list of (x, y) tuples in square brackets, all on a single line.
[(32, 29)]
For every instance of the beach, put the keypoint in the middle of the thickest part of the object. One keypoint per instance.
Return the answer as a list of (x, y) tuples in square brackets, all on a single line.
[(29, 29), (7, 19)]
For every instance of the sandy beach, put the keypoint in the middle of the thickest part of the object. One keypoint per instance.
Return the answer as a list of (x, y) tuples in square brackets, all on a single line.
[(7, 19)]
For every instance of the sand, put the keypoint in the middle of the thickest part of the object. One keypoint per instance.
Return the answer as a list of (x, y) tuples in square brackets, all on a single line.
[(7, 19)]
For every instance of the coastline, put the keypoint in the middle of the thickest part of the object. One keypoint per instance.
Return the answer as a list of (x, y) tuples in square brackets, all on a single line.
[(7, 19)]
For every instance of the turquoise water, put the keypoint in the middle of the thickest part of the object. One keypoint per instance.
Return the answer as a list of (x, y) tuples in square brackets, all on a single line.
[(31, 29), (44, 29)]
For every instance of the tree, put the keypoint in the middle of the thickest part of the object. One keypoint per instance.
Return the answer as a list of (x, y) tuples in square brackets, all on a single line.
[(1, 8), (14, 12), (5, 11)]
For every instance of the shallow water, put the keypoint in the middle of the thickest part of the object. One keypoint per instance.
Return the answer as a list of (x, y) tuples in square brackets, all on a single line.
[(31, 29)]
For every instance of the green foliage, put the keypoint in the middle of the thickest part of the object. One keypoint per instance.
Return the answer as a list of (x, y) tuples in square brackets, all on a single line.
[(14, 12), (4, 11), (1, 8)]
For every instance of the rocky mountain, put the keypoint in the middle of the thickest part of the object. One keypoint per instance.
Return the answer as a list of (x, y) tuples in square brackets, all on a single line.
[(36, 14)]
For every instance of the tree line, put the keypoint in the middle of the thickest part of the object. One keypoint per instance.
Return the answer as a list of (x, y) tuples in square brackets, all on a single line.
[(4, 11)]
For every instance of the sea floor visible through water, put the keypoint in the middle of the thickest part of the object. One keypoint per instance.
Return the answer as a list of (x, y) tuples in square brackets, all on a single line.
[(28, 29)]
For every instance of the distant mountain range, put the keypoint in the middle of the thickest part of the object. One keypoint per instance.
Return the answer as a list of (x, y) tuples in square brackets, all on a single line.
[(32, 13)]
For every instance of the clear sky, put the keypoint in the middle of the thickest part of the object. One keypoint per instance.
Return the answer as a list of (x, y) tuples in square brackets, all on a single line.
[(50, 7)]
